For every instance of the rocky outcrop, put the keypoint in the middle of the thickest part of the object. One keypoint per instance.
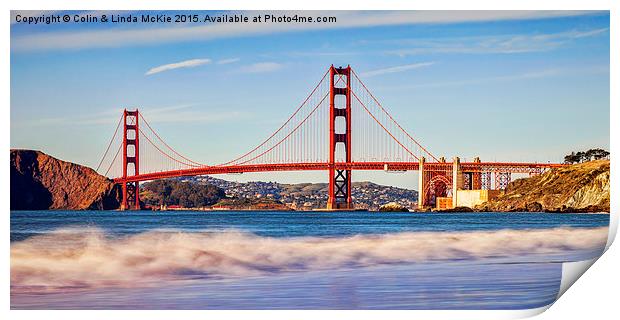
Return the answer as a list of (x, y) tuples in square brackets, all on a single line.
[(41, 182), (455, 209), (393, 207), (581, 187)]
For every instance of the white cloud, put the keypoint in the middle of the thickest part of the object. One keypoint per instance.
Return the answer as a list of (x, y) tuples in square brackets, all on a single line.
[(183, 64), (63, 40), (227, 61), (546, 73), (574, 34), (322, 53), (189, 116), (501, 44), (182, 113), (261, 67), (396, 69)]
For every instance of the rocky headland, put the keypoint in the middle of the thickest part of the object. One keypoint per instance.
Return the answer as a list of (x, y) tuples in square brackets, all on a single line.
[(582, 187), (42, 182)]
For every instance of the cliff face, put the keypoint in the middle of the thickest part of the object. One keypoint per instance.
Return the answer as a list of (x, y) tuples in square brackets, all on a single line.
[(41, 182), (581, 187)]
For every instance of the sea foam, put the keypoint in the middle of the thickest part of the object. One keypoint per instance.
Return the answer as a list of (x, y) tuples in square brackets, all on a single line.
[(88, 257)]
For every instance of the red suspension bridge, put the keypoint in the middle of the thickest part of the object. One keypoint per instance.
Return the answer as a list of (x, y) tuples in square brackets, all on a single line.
[(339, 127)]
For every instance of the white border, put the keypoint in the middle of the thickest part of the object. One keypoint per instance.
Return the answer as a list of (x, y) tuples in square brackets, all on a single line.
[(601, 292)]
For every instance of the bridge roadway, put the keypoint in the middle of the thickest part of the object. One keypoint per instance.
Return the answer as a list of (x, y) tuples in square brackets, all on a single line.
[(530, 168)]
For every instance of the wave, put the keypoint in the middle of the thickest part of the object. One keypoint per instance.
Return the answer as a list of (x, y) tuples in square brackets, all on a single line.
[(88, 257)]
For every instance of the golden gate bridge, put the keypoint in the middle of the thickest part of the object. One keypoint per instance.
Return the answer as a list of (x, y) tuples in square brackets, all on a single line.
[(340, 127)]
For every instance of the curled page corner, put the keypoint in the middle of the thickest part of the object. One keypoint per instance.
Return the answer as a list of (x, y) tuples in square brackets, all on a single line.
[(613, 229), (528, 313), (571, 271)]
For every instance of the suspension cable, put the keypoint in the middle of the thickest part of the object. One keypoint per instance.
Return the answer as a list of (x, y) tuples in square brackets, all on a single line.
[(195, 164), (384, 128), (164, 153), (110, 144), (391, 118), (281, 127), (114, 159), (290, 133)]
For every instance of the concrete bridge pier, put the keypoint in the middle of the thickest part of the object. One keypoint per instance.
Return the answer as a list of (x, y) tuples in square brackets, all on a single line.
[(421, 183), (457, 179)]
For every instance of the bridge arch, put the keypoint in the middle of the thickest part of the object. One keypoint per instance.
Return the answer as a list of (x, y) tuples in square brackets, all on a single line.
[(438, 186)]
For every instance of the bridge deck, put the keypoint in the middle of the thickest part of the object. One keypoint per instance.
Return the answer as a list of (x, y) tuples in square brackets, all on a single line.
[(390, 166)]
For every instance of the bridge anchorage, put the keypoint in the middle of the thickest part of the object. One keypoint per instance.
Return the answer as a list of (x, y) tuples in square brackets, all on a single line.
[(340, 127)]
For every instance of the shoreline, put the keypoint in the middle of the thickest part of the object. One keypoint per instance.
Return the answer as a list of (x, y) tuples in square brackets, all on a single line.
[(325, 210)]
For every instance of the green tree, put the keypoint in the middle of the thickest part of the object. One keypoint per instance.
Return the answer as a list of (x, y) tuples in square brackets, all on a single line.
[(596, 154), (592, 154), (185, 194)]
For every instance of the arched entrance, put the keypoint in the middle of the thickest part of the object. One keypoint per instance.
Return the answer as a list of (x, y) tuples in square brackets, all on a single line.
[(437, 186)]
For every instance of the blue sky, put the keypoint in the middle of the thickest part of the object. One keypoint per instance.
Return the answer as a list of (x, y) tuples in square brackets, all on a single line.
[(505, 86)]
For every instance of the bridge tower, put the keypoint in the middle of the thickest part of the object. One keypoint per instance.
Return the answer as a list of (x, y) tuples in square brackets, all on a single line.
[(339, 196), (131, 160)]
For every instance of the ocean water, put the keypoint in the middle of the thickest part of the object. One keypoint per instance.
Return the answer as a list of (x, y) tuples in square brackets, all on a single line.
[(294, 260)]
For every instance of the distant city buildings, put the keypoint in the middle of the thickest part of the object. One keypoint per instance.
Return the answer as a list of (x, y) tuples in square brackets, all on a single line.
[(308, 196)]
